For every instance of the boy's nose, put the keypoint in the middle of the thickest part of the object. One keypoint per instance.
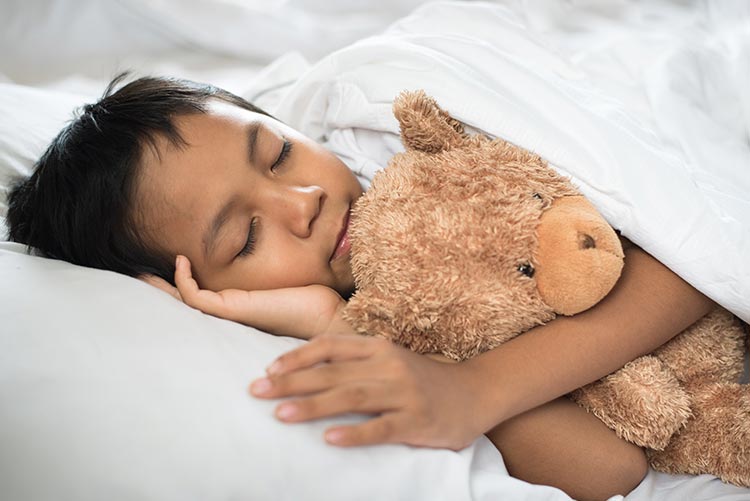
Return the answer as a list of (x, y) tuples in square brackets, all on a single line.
[(302, 206)]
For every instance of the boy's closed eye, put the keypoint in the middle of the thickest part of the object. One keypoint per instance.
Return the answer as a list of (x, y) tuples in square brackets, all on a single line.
[(251, 239), (286, 149), (250, 242)]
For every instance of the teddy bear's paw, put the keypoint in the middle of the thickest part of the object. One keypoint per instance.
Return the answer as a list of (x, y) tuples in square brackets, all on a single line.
[(710, 349), (716, 440), (642, 402)]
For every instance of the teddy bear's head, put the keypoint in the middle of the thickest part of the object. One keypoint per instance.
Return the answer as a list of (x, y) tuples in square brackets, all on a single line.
[(463, 242)]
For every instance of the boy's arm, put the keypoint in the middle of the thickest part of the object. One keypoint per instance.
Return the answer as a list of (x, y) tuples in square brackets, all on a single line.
[(424, 402), (302, 312), (649, 305)]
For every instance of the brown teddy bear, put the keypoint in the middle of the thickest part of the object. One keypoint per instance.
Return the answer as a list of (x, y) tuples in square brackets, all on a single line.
[(464, 242)]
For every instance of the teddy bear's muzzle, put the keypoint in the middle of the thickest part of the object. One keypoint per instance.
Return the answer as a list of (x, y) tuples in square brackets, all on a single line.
[(579, 257)]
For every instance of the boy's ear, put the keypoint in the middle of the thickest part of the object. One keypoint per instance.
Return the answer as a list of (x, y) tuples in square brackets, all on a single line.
[(424, 125)]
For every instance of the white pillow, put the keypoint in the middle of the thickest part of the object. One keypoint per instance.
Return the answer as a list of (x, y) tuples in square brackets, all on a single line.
[(111, 389)]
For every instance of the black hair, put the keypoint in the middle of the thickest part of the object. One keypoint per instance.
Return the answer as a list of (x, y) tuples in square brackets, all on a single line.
[(78, 205)]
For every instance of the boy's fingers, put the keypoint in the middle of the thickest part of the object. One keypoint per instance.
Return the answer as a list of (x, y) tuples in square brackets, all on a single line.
[(161, 284), (205, 300), (231, 304), (359, 397), (324, 349), (380, 430), (183, 278), (313, 379)]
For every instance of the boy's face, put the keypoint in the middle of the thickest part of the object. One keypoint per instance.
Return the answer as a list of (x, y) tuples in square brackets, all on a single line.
[(251, 202)]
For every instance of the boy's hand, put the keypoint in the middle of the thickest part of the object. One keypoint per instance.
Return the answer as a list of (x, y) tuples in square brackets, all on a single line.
[(413, 399), (301, 312), (162, 284)]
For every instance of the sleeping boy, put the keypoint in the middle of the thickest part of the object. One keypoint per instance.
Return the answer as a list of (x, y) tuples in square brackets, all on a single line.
[(185, 184)]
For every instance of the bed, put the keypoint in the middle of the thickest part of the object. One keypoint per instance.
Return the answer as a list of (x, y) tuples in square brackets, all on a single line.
[(110, 389)]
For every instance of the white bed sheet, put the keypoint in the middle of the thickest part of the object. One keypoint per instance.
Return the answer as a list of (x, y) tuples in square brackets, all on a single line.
[(157, 37)]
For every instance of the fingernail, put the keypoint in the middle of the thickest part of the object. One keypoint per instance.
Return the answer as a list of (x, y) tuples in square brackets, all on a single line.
[(286, 411), (261, 386), (177, 261), (334, 436), (274, 367)]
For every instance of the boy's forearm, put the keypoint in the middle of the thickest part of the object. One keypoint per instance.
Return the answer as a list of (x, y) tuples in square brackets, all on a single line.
[(560, 444), (648, 306)]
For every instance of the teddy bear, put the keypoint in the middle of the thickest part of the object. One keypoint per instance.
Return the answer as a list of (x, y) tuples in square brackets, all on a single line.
[(463, 242)]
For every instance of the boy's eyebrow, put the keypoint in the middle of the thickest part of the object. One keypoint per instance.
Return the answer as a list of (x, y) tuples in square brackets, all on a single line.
[(214, 228), (252, 139)]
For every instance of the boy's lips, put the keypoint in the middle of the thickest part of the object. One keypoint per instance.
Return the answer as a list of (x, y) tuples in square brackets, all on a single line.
[(343, 245)]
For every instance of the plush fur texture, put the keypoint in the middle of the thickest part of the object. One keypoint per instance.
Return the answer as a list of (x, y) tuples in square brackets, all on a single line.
[(464, 242)]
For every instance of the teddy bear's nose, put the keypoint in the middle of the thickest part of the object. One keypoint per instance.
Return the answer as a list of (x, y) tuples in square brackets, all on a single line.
[(578, 257), (586, 241)]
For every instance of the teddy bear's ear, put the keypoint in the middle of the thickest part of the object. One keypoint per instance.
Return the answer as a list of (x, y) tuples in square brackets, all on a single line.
[(424, 125)]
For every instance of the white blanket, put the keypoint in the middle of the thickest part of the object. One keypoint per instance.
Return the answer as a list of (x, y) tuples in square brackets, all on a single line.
[(649, 118)]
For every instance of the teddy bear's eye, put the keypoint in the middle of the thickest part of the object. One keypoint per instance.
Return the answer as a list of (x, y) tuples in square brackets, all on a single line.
[(537, 196), (526, 269)]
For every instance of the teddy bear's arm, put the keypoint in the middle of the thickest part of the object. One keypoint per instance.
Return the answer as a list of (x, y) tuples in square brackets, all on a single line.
[(643, 402), (372, 313)]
